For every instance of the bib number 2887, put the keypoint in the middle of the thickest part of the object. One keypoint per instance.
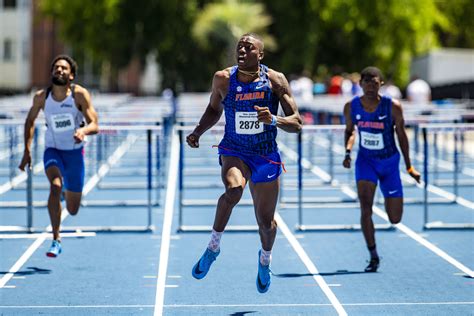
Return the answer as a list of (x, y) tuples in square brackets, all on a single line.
[(371, 141)]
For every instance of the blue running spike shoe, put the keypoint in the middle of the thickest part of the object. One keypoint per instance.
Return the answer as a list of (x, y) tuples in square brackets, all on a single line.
[(201, 268), (55, 249), (263, 276), (373, 265)]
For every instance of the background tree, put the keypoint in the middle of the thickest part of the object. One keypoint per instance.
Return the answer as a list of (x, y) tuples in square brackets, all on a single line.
[(461, 19), (222, 24), (193, 38), (351, 34)]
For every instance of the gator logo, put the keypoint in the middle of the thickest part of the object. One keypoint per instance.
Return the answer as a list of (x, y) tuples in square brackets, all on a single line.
[(250, 96)]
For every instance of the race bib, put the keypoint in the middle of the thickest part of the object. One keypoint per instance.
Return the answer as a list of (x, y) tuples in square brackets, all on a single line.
[(247, 123), (62, 122), (371, 141)]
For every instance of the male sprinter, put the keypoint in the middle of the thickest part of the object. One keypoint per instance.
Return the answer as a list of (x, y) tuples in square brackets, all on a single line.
[(65, 107), (377, 119), (249, 94)]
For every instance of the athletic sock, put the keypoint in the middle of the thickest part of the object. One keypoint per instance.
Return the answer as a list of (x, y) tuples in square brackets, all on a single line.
[(215, 241), (265, 257), (373, 252)]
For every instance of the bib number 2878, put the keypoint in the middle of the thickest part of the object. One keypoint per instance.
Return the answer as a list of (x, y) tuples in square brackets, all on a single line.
[(247, 123)]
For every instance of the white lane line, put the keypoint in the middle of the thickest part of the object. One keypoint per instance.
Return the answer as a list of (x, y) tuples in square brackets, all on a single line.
[(405, 229), (309, 264), (234, 305), (37, 235), (119, 152), (167, 222)]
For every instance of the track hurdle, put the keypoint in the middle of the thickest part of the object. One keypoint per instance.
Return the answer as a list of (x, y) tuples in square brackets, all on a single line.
[(457, 131), (190, 203), (328, 176), (130, 136)]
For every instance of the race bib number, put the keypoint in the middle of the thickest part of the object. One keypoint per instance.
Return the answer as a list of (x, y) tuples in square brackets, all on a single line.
[(371, 141), (62, 122), (247, 123)]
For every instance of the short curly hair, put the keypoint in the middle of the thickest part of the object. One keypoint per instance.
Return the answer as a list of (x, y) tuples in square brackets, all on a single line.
[(72, 63), (371, 72)]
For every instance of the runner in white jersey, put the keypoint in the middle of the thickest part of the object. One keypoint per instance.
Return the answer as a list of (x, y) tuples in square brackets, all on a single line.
[(67, 108)]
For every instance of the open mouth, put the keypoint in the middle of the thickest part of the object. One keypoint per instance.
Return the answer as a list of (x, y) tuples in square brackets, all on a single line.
[(241, 59)]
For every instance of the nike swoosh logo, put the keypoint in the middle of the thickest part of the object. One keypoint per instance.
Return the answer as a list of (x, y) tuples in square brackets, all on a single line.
[(391, 192), (271, 175), (260, 285), (382, 117), (197, 268), (259, 87)]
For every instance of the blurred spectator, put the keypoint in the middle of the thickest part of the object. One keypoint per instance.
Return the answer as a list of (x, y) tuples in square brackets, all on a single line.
[(356, 90), (418, 90), (294, 85), (346, 85), (306, 86), (389, 89), (335, 85), (319, 88), (167, 93), (302, 87)]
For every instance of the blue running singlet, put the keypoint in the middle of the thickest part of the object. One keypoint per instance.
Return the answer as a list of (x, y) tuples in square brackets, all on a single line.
[(243, 132), (376, 129)]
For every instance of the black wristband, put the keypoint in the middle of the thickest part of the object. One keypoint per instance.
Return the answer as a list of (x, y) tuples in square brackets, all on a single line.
[(348, 153)]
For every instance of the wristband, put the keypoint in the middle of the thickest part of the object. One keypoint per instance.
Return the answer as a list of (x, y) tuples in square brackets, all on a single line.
[(274, 120), (411, 169)]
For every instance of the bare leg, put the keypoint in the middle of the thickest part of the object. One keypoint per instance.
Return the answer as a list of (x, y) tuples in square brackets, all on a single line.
[(73, 201), (265, 197), (234, 176), (366, 192), (54, 200), (394, 208)]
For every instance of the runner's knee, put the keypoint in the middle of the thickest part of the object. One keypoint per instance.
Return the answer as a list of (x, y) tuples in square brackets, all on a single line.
[(55, 189), (72, 208), (233, 195), (267, 225), (395, 218), (366, 213)]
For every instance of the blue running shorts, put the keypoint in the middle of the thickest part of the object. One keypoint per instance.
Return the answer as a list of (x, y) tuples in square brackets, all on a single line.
[(71, 165), (384, 170), (264, 168)]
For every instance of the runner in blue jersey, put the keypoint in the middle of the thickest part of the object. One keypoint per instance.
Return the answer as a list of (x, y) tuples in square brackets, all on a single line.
[(67, 107), (249, 94), (377, 119)]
